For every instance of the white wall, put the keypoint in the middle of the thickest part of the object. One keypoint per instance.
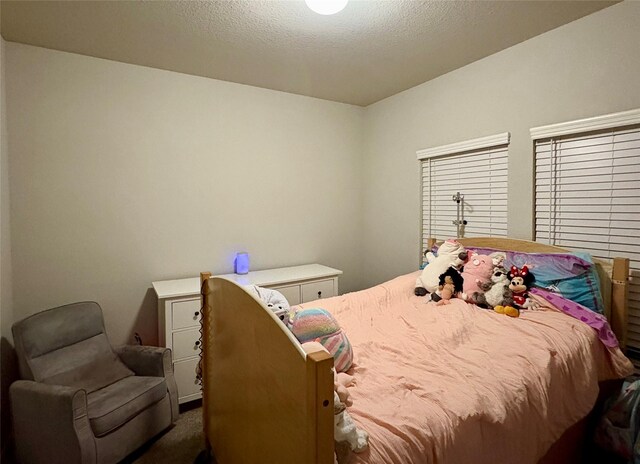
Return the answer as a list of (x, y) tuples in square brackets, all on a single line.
[(5, 231), (121, 175), (585, 68), (7, 359)]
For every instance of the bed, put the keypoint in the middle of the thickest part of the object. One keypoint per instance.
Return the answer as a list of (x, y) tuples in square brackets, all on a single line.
[(441, 384)]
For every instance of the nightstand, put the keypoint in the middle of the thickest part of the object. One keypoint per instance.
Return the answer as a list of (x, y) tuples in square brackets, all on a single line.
[(179, 307)]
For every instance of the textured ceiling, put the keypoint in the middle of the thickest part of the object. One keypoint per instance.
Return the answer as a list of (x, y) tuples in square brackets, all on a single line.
[(369, 51)]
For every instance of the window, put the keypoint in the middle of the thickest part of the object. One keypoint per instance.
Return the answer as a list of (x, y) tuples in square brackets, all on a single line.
[(588, 195), (477, 169)]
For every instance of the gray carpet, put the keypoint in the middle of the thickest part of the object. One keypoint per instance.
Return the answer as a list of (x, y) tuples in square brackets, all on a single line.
[(180, 444), (184, 443)]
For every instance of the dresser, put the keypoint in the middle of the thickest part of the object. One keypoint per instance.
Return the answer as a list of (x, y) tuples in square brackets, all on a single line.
[(179, 305)]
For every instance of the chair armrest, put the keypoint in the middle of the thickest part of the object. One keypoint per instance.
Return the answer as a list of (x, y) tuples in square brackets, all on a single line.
[(51, 423), (150, 361)]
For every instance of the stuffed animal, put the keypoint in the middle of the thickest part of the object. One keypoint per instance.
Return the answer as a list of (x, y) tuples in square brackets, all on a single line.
[(345, 429), (450, 253), (508, 310), (315, 324), (451, 283), (341, 382), (521, 281), (447, 290), (495, 293), (274, 300), (498, 258), (477, 271)]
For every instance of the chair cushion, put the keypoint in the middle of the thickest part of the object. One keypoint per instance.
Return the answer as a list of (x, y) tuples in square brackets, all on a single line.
[(52, 341), (89, 364), (112, 406), (58, 327)]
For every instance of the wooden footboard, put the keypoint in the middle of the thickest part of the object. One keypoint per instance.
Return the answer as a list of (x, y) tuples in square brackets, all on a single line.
[(264, 398)]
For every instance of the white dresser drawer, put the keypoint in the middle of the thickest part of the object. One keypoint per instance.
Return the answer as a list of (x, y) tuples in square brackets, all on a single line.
[(291, 293), (185, 344), (185, 313), (316, 290), (185, 375)]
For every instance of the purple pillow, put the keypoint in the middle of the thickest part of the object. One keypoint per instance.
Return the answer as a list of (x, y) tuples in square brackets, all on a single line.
[(573, 275), (545, 266)]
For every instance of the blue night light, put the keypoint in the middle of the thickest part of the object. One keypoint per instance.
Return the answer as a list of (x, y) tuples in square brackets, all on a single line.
[(242, 263)]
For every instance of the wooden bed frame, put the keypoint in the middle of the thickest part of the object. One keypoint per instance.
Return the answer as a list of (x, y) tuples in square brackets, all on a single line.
[(267, 400)]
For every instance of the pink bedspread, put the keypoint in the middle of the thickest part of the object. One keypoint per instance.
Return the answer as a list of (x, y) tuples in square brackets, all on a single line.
[(458, 384)]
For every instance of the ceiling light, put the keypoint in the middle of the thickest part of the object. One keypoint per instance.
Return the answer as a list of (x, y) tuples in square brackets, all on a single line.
[(326, 7)]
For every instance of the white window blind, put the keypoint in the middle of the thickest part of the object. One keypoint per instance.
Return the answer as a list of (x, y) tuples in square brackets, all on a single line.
[(479, 175), (588, 198)]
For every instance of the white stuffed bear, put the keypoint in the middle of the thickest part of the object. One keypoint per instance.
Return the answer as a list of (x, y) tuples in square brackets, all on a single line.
[(345, 429), (450, 253), (496, 292), (274, 301)]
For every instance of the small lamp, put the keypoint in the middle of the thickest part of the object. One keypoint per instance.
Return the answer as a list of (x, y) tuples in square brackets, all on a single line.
[(242, 263)]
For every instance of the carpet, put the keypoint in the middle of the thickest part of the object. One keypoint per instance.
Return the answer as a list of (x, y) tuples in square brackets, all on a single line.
[(180, 444)]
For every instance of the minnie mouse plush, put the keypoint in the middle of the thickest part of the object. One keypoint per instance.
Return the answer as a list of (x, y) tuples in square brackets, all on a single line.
[(521, 281)]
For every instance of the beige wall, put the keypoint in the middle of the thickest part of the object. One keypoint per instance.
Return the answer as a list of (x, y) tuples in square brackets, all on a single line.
[(121, 175), (7, 357), (586, 68), (5, 231)]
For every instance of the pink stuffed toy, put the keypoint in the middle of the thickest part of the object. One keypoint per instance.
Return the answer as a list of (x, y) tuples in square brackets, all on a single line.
[(478, 270)]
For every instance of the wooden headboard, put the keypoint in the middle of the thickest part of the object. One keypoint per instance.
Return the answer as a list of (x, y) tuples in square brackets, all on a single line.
[(613, 274)]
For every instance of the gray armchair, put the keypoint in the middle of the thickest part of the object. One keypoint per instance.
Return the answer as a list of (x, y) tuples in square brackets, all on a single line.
[(81, 401)]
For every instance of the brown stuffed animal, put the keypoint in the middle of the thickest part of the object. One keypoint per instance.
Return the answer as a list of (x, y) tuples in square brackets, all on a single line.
[(450, 286), (447, 291)]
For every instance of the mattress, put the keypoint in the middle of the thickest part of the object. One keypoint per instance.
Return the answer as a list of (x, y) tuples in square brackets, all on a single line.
[(459, 384)]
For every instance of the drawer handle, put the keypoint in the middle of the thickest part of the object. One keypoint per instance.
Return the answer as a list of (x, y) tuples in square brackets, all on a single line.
[(196, 314), (197, 342), (320, 294)]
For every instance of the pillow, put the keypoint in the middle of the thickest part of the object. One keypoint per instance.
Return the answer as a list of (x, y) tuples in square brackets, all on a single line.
[(573, 275), (98, 373), (549, 266), (315, 324), (583, 289)]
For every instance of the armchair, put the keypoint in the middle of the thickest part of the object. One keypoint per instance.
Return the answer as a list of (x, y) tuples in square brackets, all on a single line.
[(81, 401)]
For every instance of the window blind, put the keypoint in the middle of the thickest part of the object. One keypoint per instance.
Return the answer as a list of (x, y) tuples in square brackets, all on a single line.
[(588, 198), (481, 176)]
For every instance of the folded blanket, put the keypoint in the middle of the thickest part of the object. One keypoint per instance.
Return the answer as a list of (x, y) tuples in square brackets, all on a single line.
[(597, 321)]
